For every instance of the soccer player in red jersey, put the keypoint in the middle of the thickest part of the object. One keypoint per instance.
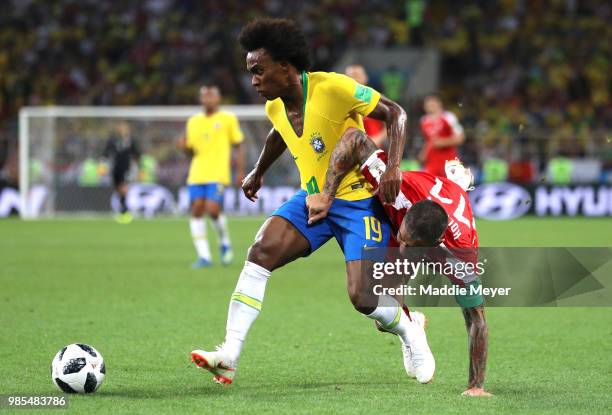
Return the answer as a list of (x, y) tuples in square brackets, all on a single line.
[(429, 211), (442, 134)]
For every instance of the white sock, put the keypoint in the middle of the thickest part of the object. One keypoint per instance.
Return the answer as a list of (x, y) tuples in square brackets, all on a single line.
[(221, 227), (390, 315), (198, 234), (244, 307)]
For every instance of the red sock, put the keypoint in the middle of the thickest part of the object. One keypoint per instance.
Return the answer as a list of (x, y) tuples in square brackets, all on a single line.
[(407, 311)]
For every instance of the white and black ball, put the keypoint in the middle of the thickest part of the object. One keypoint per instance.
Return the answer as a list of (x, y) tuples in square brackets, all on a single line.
[(78, 368)]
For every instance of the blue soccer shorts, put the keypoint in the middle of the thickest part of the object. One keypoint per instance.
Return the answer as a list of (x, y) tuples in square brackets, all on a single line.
[(209, 191), (355, 224)]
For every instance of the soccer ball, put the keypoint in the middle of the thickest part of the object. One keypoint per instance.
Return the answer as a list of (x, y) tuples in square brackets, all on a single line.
[(78, 368)]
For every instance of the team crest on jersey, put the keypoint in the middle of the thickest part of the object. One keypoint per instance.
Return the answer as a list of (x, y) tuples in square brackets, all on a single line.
[(316, 141), (217, 125)]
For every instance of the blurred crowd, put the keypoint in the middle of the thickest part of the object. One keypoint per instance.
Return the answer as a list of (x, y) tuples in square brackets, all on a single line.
[(510, 67), (517, 68)]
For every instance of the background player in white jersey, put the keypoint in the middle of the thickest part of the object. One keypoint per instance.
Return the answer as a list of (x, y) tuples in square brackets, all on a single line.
[(429, 211), (209, 138)]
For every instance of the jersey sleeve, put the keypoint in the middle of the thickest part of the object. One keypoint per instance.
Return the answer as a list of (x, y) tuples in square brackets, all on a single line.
[(235, 133), (374, 167), (453, 122), (422, 124), (356, 98)]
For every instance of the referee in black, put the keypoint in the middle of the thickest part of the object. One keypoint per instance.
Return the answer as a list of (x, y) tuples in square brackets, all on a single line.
[(121, 149)]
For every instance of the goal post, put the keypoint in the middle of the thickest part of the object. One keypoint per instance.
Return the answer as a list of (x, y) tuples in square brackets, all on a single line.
[(63, 171)]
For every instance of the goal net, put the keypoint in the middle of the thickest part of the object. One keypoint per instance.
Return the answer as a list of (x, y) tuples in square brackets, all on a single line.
[(64, 171)]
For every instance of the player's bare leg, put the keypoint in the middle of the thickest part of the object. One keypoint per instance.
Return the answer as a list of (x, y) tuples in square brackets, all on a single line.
[(478, 333), (388, 312), (219, 221), (197, 225), (277, 243), (212, 209)]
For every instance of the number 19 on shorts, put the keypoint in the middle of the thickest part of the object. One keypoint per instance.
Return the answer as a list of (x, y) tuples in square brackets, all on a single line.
[(373, 230)]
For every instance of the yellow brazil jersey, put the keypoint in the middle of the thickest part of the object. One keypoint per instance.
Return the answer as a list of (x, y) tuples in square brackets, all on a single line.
[(332, 103), (211, 139)]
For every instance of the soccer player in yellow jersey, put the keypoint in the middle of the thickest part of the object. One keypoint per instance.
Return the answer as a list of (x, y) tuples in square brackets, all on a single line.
[(310, 112), (209, 138)]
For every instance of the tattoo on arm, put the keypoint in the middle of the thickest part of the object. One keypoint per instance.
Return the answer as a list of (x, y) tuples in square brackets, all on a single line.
[(353, 149), (478, 334)]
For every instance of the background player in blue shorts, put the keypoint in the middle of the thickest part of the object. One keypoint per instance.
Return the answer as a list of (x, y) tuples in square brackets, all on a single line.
[(209, 138)]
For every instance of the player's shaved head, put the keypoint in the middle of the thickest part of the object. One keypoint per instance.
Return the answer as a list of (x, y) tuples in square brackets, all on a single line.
[(357, 72), (423, 225), (281, 38)]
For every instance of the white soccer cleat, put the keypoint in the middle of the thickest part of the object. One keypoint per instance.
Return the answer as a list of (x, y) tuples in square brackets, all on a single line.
[(217, 363), (421, 363), (421, 320), (418, 359), (408, 360)]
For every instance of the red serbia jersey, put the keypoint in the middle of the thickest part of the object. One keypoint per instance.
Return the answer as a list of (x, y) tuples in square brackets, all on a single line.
[(372, 126), (445, 127), (461, 232)]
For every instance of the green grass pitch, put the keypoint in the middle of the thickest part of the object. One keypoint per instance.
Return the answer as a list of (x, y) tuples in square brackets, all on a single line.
[(129, 292)]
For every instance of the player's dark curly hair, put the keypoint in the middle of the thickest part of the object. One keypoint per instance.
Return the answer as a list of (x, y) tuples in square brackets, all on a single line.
[(426, 221), (281, 38)]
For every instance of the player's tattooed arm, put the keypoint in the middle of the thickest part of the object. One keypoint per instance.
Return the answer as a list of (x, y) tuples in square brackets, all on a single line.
[(396, 119), (353, 149), (478, 334), (272, 150)]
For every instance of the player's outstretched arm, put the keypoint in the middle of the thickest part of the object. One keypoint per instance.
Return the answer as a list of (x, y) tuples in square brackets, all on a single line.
[(396, 119), (353, 149), (478, 334), (456, 140), (240, 161), (273, 148)]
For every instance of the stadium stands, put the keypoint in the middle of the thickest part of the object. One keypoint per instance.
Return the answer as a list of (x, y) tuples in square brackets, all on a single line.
[(515, 71)]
